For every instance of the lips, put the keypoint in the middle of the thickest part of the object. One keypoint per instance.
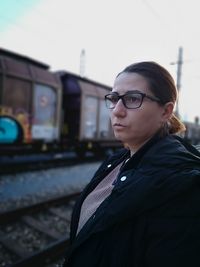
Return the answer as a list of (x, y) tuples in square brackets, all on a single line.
[(119, 125)]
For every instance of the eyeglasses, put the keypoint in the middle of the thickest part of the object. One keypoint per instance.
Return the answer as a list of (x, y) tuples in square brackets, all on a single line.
[(130, 100)]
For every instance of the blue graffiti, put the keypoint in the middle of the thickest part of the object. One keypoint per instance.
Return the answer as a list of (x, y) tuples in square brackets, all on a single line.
[(10, 130)]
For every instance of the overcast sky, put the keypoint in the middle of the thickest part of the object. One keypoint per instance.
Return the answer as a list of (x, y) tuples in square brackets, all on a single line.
[(114, 34)]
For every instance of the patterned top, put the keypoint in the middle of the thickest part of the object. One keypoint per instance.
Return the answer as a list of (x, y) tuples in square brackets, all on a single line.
[(97, 196)]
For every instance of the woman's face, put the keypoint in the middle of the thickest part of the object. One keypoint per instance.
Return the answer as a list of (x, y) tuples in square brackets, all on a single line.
[(135, 126)]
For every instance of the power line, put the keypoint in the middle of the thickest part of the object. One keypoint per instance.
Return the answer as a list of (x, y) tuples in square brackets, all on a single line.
[(160, 18), (152, 10)]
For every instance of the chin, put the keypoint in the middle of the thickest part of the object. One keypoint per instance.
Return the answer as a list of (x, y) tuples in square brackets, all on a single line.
[(120, 137)]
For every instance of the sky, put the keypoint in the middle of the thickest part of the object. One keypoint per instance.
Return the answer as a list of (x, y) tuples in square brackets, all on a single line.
[(113, 34)]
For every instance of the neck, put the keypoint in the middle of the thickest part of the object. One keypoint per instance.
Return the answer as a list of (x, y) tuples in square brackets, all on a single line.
[(135, 148), (132, 152)]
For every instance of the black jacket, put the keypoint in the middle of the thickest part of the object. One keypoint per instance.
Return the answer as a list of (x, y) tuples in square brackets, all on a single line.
[(151, 219)]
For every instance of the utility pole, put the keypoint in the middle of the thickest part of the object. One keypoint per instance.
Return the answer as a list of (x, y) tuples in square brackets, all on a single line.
[(179, 64), (82, 63)]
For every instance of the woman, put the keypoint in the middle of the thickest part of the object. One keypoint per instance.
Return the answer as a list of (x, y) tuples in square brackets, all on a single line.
[(142, 206)]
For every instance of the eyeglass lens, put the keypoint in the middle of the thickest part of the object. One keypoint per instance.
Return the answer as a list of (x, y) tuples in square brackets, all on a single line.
[(132, 100)]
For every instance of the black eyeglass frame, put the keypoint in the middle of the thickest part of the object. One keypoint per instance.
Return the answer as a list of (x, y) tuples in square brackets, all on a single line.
[(152, 98)]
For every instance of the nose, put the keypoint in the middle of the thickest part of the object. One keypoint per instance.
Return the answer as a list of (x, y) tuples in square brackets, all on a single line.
[(119, 110)]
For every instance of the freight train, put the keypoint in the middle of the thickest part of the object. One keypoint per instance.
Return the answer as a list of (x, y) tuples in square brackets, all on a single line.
[(55, 110), (42, 110)]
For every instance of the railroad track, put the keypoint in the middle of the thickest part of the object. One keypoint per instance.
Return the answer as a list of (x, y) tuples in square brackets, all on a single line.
[(37, 235), (42, 162)]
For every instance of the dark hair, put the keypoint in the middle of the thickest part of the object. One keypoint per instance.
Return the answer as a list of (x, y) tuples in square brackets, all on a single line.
[(162, 85)]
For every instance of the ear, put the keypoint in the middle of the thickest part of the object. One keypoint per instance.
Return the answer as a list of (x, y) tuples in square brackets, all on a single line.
[(167, 111)]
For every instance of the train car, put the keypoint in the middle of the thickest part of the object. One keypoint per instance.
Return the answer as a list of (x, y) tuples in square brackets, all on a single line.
[(58, 111), (86, 123), (31, 94), (42, 110)]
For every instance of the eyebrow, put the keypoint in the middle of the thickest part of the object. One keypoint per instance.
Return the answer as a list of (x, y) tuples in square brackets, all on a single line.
[(130, 91)]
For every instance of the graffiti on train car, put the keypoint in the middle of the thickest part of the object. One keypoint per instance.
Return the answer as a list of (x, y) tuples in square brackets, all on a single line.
[(22, 117), (10, 130)]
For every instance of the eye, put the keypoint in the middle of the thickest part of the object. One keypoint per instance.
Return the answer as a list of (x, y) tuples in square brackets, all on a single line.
[(113, 98), (132, 98)]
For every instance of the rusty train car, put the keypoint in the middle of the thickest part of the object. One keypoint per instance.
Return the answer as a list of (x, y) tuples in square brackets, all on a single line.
[(56, 110), (86, 123), (42, 110)]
